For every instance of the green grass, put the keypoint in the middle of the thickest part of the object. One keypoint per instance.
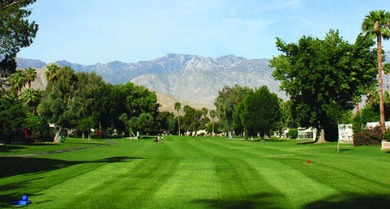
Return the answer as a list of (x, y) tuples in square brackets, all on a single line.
[(195, 173)]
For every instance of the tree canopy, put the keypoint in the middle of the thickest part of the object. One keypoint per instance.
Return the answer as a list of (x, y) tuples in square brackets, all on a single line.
[(259, 112), (16, 31), (226, 102), (324, 77)]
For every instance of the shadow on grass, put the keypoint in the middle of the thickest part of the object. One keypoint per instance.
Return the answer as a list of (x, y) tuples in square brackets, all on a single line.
[(305, 142), (352, 201), (11, 166), (6, 200), (9, 148), (260, 200)]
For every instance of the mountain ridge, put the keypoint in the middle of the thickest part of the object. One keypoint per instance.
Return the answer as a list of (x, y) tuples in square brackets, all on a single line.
[(191, 78)]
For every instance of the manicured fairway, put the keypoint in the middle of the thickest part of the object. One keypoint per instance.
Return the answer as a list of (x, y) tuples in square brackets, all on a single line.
[(196, 173)]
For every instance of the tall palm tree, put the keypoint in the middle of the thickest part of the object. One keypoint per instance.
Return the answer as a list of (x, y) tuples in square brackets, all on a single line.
[(386, 70), (31, 74), (52, 74), (377, 24), (177, 108), (212, 115), (17, 80)]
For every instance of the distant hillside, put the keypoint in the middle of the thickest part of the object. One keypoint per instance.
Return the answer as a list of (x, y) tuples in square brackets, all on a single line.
[(200, 78), (185, 77), (25, 63)]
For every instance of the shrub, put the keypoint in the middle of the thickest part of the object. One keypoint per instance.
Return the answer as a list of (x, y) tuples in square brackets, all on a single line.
[(368, 137), (387, 135), (293, 133)]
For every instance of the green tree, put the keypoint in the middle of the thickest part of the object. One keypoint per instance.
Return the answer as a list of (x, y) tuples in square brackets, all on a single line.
[(90, 99), (131, 100), (165, 122), (55, 106), (259, 112), (324, 77), (16, 31), (145, 123), (377, 25), (17, 80), (31, 98), (12, 118), (226, 102), (178, 108), (85, 124), (31, 74), (192, 119), (52, 74)]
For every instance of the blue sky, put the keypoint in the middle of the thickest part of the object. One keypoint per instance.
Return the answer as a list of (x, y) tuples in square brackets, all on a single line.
[(101, 31)]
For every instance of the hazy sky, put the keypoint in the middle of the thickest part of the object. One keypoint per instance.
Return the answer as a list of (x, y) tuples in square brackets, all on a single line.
[(101, 31)]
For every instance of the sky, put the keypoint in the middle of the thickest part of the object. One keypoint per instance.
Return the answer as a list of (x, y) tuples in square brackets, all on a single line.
[(101, 31)]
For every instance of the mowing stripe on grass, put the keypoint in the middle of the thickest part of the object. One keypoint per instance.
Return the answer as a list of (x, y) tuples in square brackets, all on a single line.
[(205, 173)]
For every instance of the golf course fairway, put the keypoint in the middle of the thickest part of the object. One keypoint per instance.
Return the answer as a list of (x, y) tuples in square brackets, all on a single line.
[(194, 172)]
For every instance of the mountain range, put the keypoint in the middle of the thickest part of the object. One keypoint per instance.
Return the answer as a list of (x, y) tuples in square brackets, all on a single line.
[(189, 79)]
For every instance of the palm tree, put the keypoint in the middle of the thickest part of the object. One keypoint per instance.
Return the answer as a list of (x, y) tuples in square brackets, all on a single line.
[(212, 115), (386, 70), (177, 108), (377, 24), (31, 74), (17, 80), (31, 99), (52, 74)]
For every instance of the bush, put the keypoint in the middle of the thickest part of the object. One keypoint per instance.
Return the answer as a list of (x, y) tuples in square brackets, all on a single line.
[(368, 137), (293, 133), (387, 135)]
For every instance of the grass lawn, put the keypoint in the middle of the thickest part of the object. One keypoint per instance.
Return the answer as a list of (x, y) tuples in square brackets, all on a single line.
[(198, 172)]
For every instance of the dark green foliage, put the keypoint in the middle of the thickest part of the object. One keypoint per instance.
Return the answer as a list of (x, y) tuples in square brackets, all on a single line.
[(192, 119), (143, 123), (7, 66), (56, 104), (165, 122), (131, 100), (259, 113), (324, 77), (357, 124), (293, 133), (368, 137), (38, 128), (226, 102), (12, 118), (15, 32), (387, 135)]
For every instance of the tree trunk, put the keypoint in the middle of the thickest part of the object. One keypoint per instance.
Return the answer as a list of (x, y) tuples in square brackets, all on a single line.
[(380, 80), (213, 127), (357, 108), (178, 121), (322, 137), (57, 137)]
